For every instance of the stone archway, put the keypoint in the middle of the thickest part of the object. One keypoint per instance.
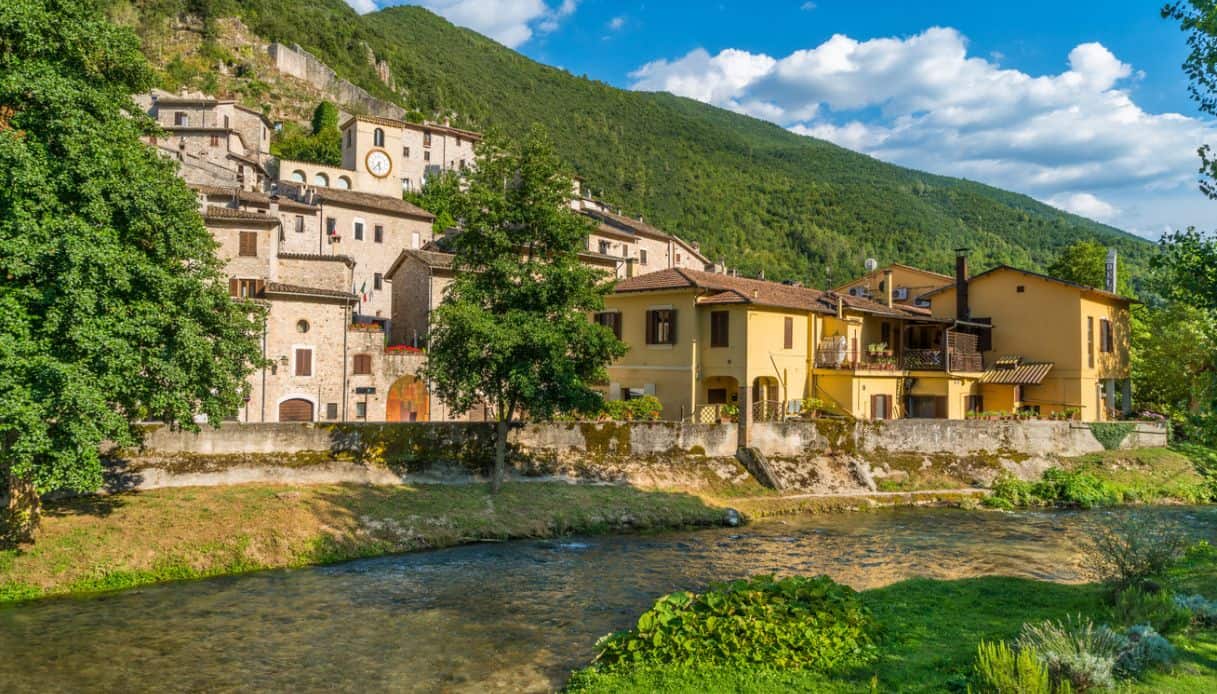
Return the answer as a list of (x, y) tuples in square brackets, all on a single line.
[(408, 401)]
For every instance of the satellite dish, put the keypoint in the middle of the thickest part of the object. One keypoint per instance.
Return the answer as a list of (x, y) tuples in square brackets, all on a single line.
[(871, 264)]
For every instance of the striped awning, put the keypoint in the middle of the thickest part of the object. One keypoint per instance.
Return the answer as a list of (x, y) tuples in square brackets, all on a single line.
[(1015, 371)]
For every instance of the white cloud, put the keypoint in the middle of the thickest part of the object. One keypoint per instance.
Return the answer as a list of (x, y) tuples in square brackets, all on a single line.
[(923, 101), (1084, 204), (363, 6), (616, 23), (510, 22), (807, 6)]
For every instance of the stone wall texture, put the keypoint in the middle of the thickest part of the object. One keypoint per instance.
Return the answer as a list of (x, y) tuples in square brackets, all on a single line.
[(299, 63)]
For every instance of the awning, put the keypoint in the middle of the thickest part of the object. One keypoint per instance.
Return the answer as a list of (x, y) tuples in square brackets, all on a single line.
[(1015, 371)]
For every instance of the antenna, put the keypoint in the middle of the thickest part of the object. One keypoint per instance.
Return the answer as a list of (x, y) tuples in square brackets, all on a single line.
[(871, 264)]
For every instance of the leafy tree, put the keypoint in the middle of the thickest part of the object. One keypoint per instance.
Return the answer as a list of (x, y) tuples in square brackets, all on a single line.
[(294, 142), (112, 304), (1188, 261), (440, 196), (325, 118), (513, 329), (1174, 358), (1198, 19)]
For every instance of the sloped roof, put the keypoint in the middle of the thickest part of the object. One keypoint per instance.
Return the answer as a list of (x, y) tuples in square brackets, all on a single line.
[(1085, 289), (253, 197), (297, 290), (217, 213), (728, 289), (345, 259), (384, 203)]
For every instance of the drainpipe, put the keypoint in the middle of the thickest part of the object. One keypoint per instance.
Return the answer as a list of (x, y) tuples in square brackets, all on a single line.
[(887, 291), (264, 323), (346, 328)]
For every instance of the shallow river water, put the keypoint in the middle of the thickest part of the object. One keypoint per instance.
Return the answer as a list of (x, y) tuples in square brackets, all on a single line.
[(515, 616)]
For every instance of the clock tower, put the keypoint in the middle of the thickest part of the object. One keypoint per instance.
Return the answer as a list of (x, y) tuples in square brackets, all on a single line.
[(372, 148)]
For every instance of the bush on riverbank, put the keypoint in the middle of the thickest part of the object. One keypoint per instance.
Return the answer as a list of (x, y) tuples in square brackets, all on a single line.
[(791, 623)]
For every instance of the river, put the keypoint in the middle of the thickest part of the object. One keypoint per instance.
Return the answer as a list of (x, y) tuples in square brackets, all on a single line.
[(515, 616)]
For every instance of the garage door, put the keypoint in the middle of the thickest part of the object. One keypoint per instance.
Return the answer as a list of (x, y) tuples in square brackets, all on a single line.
[(296, 410)]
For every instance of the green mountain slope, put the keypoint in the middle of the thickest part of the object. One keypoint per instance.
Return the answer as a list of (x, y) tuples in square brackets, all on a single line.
[(751, 192)]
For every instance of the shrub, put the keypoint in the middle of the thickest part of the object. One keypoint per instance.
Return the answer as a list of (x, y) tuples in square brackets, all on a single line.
[(810, 623), (1075, 652), (1000, 669), (1111, 434), (1009, 492), (1126, 550), (1157, 609), (1200, 610), (1145, 649), (1074, 488), (645, 408)]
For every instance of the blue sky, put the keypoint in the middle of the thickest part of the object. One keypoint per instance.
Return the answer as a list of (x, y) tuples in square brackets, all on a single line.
[(1080, 104)]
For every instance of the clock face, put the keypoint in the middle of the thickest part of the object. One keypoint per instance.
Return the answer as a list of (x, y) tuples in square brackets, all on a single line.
[(378, 163)]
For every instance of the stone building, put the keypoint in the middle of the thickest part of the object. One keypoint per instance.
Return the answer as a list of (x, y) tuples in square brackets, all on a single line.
[(217, 141), (640, 247)]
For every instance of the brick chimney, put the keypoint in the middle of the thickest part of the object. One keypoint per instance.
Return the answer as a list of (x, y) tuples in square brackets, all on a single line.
[(962, 312), (887, 288)]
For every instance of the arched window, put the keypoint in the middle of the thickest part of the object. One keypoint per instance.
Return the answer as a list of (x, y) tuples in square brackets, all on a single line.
[(320, 179), (343, 183), (378, 138), (299, 177)]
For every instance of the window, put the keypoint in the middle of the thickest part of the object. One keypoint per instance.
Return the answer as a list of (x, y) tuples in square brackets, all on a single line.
[(331, 226), (331, 410), (299, 224), (661, 327), (716, 396), (320, 179), (298, 176), (677, 258), (358, 230), (882, 286), (642, 256), (405, 184), (362, 365), (405, 152), (378, 233), (180, 118), (378, 138), (788, 333), (215, 140), (248, 245), (1105, 340), (304, 362), (416, 240), (302, 326), (426, 156), (343, 183), (378, 281), (226, 121), (462, 165), (361, 410), (1090, 341), (610, 320), (458, 140), (426, 138), (1020, 289), (604, 247), (244, 288), (880, 407), (720, 322)]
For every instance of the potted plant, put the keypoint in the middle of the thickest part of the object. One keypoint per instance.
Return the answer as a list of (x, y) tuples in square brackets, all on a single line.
[(729, 413)]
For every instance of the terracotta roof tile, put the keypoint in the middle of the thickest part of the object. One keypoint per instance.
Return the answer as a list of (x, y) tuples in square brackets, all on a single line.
[(215, 212), (385, 203), (250, 196), (297, 290), (348, 260), (1015, 371), (1085, 289)]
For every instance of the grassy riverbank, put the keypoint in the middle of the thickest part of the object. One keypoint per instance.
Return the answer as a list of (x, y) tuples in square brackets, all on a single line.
[(928, 638), (124, 540)]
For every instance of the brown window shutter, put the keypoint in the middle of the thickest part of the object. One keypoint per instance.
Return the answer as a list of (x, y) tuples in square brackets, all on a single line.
[(248, 244), (788, 342), (671, 326), (234, 287), (363, 364), (616, 321), (259, 287), (304, 362)]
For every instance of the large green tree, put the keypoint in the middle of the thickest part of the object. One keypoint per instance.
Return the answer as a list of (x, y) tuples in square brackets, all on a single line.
[(1198, 19), (513, 330), (111, 306), (321, 145)]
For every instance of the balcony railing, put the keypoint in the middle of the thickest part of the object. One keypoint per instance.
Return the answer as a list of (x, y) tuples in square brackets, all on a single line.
[(907, 360)]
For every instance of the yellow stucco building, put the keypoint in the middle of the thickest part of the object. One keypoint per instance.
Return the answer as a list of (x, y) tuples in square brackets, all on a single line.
[(699, 341)]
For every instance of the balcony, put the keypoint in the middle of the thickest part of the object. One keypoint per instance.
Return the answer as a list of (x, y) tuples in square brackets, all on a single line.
[(960, 355)]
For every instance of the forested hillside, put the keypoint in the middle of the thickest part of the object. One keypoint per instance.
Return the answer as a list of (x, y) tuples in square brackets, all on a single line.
[(750, 192)]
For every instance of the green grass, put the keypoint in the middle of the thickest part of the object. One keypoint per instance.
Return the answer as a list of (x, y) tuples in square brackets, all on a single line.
[(930, 633), (121, 541)]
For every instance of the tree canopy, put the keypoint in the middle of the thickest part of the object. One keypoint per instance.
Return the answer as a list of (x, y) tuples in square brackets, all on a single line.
[(513, 330), (112, 308)]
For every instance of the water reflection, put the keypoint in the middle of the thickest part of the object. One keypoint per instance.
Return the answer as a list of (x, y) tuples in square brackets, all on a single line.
[(513, 616)]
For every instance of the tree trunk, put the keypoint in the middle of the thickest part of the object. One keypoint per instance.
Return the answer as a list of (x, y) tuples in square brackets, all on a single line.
[(500, 456), (19, 519)]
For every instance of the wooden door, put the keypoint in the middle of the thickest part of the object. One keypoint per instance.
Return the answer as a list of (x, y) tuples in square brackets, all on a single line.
[(296, 410)]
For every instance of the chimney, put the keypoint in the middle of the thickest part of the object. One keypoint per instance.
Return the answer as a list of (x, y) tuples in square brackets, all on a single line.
[(1111, 271), (962, 312), (840, 306), (887, 288)]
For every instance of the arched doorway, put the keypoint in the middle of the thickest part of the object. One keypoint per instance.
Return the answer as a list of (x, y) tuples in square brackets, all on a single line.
[(408, 401), (296, 410)]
